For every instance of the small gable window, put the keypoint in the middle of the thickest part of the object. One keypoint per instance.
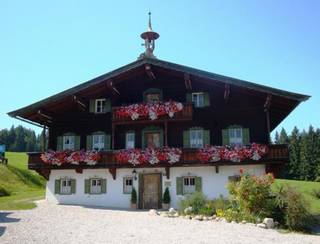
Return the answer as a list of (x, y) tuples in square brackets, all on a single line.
[(153, 98), (98, 142), (196, 138), (100, 105), (127, 185), (198, 99), (130, 140), (68, 142), (235, 136)]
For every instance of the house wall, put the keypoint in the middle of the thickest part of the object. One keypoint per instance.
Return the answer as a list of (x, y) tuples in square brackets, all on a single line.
[(213, 184)]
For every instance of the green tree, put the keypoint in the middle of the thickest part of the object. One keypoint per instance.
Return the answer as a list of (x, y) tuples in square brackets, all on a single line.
[(293, 169)]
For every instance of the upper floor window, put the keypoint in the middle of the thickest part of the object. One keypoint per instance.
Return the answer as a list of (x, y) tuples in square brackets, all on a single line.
[(100, 105), (235, 136), (198, 99), (65, 187), (68, 142), (130, 140), (196, 138), (152, 139), (95, 186), (98, 142), (189, 184)]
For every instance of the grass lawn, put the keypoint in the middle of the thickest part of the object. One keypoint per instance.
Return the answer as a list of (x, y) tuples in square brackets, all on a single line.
[(24, 185), (306, 188)]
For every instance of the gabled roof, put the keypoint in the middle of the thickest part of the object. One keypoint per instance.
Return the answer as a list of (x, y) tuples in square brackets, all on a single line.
[(21, 113)]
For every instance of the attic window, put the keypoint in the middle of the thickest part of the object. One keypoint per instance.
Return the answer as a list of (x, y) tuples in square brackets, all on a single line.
[(153, 97), (100, 105)]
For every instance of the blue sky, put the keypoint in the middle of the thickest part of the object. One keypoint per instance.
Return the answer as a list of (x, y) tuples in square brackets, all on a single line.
[(49, 46)]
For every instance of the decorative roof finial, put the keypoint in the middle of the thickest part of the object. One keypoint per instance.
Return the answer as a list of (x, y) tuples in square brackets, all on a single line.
[(149, 38)]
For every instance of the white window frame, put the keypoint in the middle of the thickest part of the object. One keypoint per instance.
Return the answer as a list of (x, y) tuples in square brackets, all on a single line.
[(127, 188), (96, 186), (235, 136), (69, 146), (189, 184), (98, 146), (99, 108), (130, 144), (65, 186), (197, 141), (198, 99)]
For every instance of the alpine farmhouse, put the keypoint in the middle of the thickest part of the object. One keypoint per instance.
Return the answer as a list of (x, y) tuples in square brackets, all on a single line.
[(152, 125)]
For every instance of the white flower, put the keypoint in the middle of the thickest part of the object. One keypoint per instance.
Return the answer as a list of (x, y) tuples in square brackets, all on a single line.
[(152, 115), (173, 158), (134, 116), (256, 156), (171, 114), (179, 106)]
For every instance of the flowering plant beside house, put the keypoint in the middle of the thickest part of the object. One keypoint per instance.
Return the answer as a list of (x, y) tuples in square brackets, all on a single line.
[(70, 157), (234, 154), (151, 110)]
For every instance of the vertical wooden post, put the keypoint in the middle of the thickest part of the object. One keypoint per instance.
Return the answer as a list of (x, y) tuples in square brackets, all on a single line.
[(166, 133), (268, 125), (44, 139), (112, 137)]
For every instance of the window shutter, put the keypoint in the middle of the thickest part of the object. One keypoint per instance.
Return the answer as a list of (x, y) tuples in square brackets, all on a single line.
[(104, 186), (87, 186), (198, 183), (245, 136), (206, 137), (161, 138), (57, 184), (73, 186), (89, 143), (179, 186), (107, 142), (225, 137), (108, 105), (92, 106), (77, 143), (59, 143), (188, 98), (206, 99), (186, 139)]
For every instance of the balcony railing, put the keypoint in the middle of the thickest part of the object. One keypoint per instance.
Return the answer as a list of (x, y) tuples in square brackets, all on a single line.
[(185, 114), (277, 154)]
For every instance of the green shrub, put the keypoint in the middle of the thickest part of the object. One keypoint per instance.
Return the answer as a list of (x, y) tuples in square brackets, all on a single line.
[(195, 200), (316, 193), (4, 192), (208, 209), (166, 196), (221, 203), (134, 196), (317, 179)]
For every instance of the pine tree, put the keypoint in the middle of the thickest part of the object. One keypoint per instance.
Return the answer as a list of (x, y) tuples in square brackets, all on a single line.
[(283, 138), (276, 138), (293, 169)]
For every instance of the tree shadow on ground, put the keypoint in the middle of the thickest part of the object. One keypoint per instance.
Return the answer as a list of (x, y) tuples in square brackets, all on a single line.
[(5, 219), (2, 230)]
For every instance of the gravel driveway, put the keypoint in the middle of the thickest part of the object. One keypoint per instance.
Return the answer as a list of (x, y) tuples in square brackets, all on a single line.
[(77, 224)]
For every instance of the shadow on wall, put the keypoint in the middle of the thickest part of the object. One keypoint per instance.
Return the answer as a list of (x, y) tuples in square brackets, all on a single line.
[(5, 219)]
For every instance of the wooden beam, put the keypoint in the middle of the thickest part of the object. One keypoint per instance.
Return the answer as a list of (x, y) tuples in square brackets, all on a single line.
[(267, 103), (113, 172), (217, 169), (44, 139), (226, 93), (47, 117), (167, 172), (79, 101), (113, 136), (79, 170), (266, 106), (166, 133), (149, 72), (187, 81)]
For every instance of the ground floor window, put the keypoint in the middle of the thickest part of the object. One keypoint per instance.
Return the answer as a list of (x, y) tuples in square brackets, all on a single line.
[(189, 184), (95, 186), (127, 185), (65, 187)]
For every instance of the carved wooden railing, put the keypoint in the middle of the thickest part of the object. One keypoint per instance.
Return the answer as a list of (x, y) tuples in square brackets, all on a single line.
[(185, 114)]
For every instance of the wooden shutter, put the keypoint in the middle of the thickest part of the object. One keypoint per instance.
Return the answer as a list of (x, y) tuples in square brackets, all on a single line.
[(107, 142), (206, 137), (186, 139), (87, 186), (206, 99), (103, 185), (189, 98), (89, 143), (92, 106), (57, 184), (108, 105), (73, 186), (179, 185), (225, 137), (245, 136), (198, 181), (59, 143), (76, 142)]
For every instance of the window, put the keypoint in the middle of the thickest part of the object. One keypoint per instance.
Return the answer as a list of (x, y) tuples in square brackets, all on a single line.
[(98, 142), (235, 136), (152, 139), (189, 185), (65, 187), (95, 186), (127, 185), (130, 140), (100, 105), (198, 99), (153, 97), (196, 138), (68, 142)]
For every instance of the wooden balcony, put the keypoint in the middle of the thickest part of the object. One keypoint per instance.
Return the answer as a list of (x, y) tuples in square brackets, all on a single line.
[(184, 115), (277, 155)]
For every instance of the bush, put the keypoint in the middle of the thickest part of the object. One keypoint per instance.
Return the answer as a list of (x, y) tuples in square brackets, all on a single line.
[(316, 193), (195, 200), (134, 196), (4, 192), (221, 203), (317, 179), (208, 209), (166, 196)]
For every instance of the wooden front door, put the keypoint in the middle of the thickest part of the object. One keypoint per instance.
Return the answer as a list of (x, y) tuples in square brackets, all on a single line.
[(151, 191)]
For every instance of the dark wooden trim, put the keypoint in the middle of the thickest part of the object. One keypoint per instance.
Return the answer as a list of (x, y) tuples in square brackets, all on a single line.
[(113, 172), (167, 169), (149, 72), (79, 170), (217, 169), (226, 94)]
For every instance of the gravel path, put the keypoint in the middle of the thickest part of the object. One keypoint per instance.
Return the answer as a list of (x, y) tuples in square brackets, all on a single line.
[(76, 224)]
